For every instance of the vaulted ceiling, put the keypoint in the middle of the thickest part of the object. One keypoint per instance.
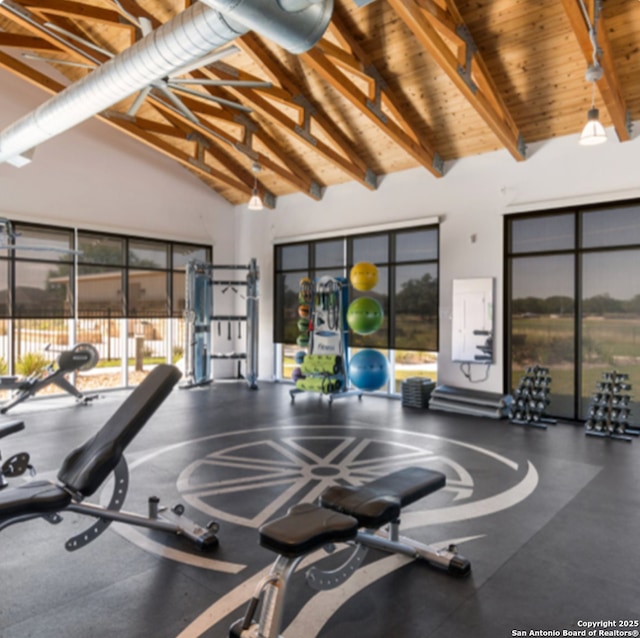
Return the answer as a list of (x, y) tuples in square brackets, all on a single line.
[(392, 85)]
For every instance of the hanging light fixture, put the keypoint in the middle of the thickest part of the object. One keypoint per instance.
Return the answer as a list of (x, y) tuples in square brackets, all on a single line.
[(593, 132), (255, 203)]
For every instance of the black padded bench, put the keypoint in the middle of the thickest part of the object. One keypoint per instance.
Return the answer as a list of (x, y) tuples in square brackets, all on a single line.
[(305, 528), (87, 468), (379, 502), (343, 514)]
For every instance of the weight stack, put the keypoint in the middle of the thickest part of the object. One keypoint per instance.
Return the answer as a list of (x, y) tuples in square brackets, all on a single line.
[(416, 392)]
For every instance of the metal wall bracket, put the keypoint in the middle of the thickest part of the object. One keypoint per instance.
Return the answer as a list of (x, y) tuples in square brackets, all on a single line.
[(438, 163), (628, 122), (269, 199), (371, 178), (522, 147), (315, 190)]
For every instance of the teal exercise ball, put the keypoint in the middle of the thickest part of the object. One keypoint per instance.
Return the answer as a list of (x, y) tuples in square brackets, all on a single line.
[(368, 370), (364, 315)]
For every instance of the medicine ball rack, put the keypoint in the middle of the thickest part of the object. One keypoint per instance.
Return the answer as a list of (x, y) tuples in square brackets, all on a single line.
[(325, 366), (199, 317)]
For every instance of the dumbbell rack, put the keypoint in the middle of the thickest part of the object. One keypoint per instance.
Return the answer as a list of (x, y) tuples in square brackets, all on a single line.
[(531, 398), (609, 411)]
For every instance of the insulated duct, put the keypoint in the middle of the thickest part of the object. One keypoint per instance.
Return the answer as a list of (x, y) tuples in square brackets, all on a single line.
[(296, 25)]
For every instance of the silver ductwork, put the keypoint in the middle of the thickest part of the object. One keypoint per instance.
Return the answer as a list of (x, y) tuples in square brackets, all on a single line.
[(296, 25)]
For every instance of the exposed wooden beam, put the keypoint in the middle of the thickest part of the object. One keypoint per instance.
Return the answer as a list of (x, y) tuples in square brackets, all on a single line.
[(326, 60), (340, 152), (609, 84), (284, 166), (131, 126), (473, 78), (71, 9), (209, 145), (18, 41), (36, 25), (35, 78), (278, 161), (198, 165)]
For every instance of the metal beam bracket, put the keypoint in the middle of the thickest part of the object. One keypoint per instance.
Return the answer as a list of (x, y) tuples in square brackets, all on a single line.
[(371, 178), (375, 105), (438, 163), (308, 111), (522, 147), (470, 50), (269, 199), (315, 190)]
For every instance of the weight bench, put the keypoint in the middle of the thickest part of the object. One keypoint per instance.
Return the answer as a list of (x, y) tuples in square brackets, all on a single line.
[(87, 467), (343, 514), (19, 463)]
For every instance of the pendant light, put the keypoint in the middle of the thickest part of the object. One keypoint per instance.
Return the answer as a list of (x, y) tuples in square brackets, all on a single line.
[(593, 132), (255, 203)]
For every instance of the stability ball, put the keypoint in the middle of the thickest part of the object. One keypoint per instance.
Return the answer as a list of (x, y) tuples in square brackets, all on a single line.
[(368, 370), (303, 340), (297, 374), (363, 276), (364, 315), (300, 355), (303, 325)]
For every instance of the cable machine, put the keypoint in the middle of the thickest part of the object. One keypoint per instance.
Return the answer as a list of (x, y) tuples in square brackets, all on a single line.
[(199, 318)]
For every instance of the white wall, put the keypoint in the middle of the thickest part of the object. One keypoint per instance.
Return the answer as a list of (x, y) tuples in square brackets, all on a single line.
[(96, 177), (470, 200)]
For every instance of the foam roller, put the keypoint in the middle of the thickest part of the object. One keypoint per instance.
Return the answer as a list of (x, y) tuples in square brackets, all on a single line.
[(321, 364)]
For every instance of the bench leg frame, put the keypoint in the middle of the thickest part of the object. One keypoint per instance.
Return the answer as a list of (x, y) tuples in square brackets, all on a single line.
[(269, 597)]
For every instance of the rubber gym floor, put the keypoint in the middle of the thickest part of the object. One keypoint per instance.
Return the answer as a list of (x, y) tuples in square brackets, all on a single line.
[(548, 519)]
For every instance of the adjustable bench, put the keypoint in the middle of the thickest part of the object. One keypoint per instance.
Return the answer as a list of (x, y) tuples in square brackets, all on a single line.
[(87, 467), (343, 514), (19, 463)]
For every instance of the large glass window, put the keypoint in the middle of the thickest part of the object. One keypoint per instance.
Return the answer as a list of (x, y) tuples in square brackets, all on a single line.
[(616, 226), (112, 291), (574, 300), (542, 323), (543, 234), (610, 319), (407, 290)]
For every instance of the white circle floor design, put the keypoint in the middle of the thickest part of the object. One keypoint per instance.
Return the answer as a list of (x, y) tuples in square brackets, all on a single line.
[(295, 463)]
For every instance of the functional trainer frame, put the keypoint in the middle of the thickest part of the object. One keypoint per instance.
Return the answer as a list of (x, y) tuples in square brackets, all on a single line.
[(199, 316), (352, 515), (87, 468)]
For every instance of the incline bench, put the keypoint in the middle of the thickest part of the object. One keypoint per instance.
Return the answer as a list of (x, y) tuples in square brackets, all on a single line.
[(87, 467), (352, 515)]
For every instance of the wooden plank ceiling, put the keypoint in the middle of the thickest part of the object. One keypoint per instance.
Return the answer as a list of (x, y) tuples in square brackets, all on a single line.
[(392, 85)]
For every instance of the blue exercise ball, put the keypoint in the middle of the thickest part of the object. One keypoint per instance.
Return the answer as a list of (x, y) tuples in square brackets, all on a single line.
[(300, 355), (368, 370)]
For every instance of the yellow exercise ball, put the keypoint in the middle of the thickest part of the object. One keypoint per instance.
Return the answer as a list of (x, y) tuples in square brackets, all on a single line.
[(363, 276)]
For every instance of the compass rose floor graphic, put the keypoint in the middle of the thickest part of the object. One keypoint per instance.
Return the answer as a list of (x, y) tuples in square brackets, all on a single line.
[(510, 498)]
